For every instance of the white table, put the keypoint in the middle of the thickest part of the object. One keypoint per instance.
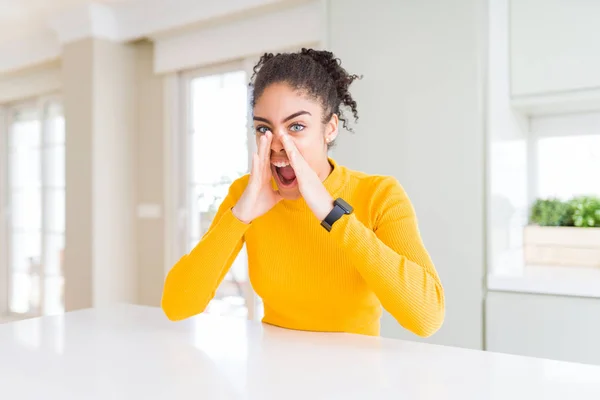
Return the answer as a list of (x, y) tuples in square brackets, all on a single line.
[(130, 352)]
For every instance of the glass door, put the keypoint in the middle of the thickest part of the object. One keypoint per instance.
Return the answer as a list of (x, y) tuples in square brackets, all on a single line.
[(35, 206), (217, 153)]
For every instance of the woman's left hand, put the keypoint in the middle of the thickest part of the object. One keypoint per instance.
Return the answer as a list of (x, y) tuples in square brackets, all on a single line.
[(312, 189)]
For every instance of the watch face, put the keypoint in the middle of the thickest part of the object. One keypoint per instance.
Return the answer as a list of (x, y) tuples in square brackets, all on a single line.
[(347, 207)]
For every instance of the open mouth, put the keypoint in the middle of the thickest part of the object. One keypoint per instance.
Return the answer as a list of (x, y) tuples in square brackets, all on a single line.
[(286, 176)]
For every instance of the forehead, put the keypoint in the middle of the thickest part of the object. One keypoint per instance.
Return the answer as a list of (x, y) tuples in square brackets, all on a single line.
[(279, 100)]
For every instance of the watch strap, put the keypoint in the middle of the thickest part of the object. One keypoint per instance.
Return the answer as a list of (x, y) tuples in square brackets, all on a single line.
[(336, 213)]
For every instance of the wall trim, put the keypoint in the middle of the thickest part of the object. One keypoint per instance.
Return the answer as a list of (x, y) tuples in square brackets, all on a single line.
[(37, 49), (134, 20), (131, 21), (84, 21), (30, 83), (147, 18), (569, 101), (240, 38)]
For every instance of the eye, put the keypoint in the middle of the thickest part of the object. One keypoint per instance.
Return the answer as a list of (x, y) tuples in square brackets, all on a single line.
[(262, 129), (296, 127)]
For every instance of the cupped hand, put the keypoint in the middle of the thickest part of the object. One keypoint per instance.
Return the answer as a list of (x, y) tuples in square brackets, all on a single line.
[(259, 196)]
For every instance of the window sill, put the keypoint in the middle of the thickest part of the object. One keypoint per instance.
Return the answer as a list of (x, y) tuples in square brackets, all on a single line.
[(551, 280)]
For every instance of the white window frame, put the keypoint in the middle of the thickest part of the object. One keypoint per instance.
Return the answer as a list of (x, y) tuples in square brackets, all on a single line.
[(40, 102)]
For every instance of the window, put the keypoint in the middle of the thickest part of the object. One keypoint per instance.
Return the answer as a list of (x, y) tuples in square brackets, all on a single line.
[(558, 157), (565, 156), (569, 166), (34, 144), (217, 153)]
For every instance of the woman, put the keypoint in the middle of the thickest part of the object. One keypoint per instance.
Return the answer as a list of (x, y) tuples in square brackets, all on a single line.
[(327, 246)]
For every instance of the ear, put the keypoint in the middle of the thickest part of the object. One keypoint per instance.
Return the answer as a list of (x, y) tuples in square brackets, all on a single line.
[(331, 128)]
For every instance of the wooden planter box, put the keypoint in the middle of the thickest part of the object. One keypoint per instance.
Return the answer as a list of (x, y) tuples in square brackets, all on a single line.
[(566, 246)]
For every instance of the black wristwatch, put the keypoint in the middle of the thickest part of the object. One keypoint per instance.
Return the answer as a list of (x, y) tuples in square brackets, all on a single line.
[(340, 207)]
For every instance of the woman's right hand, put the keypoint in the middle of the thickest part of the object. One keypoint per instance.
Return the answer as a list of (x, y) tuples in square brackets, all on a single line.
[(259, 196)]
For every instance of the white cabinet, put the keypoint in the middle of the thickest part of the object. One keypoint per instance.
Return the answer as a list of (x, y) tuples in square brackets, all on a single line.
[(554, 327), (555, 46), (554, 55)]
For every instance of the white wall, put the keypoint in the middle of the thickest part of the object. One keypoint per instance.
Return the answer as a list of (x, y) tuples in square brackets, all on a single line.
[(554, 327), (554, 45), (421, 120)]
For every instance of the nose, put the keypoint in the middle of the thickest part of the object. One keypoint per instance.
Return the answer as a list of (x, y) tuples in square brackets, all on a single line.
[(276, 145)]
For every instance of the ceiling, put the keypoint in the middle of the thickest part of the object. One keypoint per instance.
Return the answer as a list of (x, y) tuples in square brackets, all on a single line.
[(23, 18)]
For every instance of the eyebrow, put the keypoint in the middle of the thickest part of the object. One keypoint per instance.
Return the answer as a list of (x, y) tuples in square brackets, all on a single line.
[(294, 115)]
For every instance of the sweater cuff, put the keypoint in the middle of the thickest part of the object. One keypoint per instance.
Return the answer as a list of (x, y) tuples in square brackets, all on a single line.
[(231, 227)]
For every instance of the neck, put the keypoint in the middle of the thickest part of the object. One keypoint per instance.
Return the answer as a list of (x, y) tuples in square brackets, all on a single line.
[(325, 171), (334, 178)]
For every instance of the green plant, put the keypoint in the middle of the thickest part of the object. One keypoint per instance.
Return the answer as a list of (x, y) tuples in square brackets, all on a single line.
[(583, 211), (549, 212), (586, 211), (567, 218)]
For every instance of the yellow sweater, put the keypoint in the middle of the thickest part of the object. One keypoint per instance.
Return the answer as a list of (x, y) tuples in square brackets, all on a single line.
[(311, 279)]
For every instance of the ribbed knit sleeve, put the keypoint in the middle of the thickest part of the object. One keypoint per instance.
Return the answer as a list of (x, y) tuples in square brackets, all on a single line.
[(393, 260), (192, 282)]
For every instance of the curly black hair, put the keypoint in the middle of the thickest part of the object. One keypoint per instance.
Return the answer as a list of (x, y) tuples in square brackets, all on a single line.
[(317, 73)]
